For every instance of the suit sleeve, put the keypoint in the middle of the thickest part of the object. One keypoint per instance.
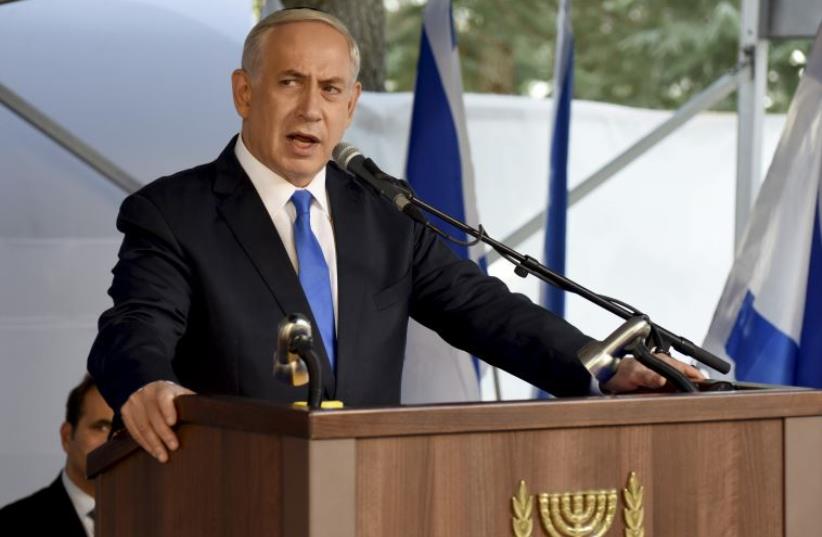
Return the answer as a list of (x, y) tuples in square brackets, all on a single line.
[(152, 295), (479, 314)]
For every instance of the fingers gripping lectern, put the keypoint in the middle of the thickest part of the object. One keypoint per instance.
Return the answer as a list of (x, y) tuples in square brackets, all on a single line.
[(745, 463)]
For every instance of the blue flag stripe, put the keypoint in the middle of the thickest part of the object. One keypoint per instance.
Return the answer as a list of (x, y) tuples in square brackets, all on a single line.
[(438, 164), (762, 353), (556, 223), (556, 214), (434, 164), (809, 360)]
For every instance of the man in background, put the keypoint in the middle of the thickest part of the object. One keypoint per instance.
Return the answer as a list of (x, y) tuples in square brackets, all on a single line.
[(66, 507)]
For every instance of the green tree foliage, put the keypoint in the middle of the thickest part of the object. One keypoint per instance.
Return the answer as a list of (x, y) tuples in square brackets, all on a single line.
[(646, 53)]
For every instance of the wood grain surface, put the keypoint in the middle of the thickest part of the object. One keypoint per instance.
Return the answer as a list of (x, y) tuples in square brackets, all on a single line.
[(701, 480), (220, 483), (319, 488), (803, 476), (712, 465)]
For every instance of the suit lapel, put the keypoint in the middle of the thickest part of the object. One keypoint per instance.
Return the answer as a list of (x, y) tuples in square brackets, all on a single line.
[(349, 223), (245, 214), (63, 510)]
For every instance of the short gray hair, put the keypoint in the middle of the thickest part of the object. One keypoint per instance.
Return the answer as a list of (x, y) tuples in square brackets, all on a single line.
[(256, 37)]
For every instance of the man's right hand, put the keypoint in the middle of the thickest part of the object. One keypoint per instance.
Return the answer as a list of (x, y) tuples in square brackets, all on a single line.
[(149, 415)]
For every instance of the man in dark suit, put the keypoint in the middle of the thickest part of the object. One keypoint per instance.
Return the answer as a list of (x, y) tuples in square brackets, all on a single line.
[(214, 257), (65, 508)]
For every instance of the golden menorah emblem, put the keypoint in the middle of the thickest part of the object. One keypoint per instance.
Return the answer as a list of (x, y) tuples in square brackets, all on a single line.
[(579, 514)]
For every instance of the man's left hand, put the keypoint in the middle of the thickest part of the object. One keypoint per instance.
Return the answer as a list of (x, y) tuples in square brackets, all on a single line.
[(632, 375)]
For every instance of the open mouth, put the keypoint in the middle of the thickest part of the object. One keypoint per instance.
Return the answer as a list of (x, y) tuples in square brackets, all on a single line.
[(305, 140)]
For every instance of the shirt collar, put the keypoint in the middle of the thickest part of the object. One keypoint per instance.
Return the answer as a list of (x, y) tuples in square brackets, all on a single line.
[(83, 503), (274, 189)]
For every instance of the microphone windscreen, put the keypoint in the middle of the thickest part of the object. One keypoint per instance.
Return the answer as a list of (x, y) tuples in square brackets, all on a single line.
[(343, 153)]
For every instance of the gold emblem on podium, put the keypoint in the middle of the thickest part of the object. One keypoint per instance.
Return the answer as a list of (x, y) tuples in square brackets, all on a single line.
[(579, 514), (633, 513)]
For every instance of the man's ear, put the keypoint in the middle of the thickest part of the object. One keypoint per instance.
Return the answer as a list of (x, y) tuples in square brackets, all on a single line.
[(241, 90), (66, 432), (352, 103)]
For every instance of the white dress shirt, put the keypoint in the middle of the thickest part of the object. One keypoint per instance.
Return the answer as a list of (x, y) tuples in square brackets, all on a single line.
[(82, 502), (276, 194)]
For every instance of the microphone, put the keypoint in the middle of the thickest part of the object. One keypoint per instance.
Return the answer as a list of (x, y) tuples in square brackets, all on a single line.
[(350, 159), (601, 358), (293, 335), (295, 361)]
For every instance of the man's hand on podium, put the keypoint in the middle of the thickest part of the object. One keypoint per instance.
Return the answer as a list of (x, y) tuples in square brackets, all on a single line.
[(632, 375), (149, 414)]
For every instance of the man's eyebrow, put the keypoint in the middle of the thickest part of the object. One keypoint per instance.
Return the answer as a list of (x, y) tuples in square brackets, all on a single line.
[(294, 73), (101, 423), (333, 80), (330, 80)]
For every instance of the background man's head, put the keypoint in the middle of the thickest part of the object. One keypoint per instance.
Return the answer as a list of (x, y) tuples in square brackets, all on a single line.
[(297, 90), (88, 422)]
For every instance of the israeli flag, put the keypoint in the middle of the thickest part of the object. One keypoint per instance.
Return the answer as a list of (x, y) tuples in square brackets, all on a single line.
[(552, 297), (556, 214), (769, 318), (440, 171)]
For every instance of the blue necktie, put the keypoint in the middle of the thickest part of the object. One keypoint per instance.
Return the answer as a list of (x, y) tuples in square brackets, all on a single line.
[(313, 272)]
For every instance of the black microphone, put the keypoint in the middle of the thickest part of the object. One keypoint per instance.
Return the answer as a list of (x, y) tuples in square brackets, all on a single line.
[(350, 159)]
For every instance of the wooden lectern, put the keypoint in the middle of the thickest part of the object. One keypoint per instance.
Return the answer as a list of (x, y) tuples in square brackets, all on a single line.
[(745, 463)]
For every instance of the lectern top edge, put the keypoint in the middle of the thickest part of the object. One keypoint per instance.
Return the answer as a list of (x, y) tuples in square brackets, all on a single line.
[(227, 412)]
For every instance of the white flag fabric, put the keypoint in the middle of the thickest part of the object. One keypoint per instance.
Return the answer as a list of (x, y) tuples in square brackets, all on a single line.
[(439, 168), (769, 318)]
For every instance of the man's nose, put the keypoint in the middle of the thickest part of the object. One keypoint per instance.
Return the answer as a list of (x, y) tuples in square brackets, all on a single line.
[(309, 105)]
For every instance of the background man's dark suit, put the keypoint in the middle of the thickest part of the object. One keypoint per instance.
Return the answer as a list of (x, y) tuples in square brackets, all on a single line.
[(46, 513), (204, 278)]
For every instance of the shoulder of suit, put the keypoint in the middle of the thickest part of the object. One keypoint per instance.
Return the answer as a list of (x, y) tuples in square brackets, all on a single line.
[(192, 179), (196, 178), (36, 503), (190, 186), (48, 511)]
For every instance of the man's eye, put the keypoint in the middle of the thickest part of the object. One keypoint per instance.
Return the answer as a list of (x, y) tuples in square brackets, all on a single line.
[(334, 90), (288, 82)]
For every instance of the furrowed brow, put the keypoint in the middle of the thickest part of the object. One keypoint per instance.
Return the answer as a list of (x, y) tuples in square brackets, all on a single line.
[(293, 73), (338, 80)]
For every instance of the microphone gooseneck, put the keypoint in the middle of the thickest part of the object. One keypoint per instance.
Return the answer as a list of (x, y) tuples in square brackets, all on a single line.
[(351, 160)]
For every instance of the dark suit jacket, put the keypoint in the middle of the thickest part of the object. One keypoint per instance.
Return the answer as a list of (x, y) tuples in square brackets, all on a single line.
[(46, 513), (203, 279)]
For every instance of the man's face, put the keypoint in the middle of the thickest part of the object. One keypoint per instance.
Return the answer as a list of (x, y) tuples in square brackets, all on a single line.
[(90, 433), (299, 100)]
